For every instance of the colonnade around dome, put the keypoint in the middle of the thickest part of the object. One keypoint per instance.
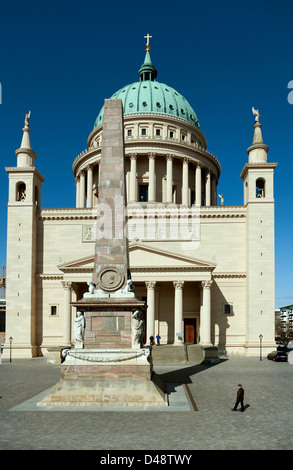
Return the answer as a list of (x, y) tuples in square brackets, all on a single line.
[(165, 163)]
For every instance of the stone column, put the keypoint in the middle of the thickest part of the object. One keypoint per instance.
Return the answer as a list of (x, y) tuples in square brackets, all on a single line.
[(205, 318), (169, 189), (157, 309), (89, 186), (185, 181), (77, 192), (208, 188), (198, 185), (152, 178), (151, 309), (67, 313), (132, 189), (82, 189), (178, 311)]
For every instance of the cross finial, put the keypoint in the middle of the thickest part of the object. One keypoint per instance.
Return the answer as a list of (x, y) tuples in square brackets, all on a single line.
[(147, 37)]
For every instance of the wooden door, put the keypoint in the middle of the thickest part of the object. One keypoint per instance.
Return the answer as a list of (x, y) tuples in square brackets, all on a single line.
[(190, 330)]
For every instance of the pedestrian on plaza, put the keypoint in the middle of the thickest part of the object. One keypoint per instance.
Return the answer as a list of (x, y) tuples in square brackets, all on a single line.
[(152, 341), (239, 398)]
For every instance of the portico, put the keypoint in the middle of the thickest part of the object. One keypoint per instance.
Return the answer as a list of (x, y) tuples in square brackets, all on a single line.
[(176, 288)]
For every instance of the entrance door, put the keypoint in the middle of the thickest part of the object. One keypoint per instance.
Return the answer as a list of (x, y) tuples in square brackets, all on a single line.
[(190, 330)]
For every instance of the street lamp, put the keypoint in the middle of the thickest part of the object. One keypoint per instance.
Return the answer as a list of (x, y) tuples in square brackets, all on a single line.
[(10, 341), (260, 345)]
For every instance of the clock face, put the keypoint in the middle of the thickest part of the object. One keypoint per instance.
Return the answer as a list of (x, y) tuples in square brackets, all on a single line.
[(110, 279)]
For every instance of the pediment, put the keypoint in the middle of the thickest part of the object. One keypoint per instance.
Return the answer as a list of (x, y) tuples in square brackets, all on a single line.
[(143, 256), (80, 264)]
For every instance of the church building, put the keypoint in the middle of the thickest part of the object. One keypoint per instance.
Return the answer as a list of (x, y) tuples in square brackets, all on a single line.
[(205, 270)]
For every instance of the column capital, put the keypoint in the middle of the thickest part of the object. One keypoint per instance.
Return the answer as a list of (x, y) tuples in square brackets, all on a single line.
[(150, 284), (90, 166), (199, 165), (169, 156), (178, 284), (186, 160), (67, 284), (132, 156), (206, 284), (152, 155)]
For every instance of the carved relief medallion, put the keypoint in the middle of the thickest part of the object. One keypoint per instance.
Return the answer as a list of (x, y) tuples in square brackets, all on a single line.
[(110, 279)]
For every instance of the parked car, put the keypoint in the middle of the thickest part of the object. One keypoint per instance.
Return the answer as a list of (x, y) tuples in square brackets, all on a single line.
[(281, 356)]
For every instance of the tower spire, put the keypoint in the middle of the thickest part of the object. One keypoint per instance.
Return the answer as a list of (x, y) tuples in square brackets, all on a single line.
[(25, 155), (26, 143), (257, 152)]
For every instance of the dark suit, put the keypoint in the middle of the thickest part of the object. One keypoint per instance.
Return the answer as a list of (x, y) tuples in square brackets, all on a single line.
[(239, 399)]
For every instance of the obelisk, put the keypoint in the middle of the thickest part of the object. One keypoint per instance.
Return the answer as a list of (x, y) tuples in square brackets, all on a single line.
[(111, 266)]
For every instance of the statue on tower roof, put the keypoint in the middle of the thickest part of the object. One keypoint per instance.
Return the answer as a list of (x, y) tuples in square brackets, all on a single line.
[(26, 120), (256, 114)]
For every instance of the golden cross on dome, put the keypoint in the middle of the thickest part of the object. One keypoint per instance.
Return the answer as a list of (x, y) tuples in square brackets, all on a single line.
[(147, 37)]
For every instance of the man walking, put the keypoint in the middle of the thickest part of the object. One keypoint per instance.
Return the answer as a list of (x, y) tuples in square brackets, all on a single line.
[(239, 398)]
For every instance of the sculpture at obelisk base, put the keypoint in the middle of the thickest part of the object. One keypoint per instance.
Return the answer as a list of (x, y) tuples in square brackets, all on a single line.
[(109, 366)]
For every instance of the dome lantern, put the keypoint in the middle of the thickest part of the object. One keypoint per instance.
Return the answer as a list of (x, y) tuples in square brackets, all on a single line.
[(147, 71)]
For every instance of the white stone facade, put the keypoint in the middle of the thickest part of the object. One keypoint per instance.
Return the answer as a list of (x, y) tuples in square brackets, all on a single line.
[(214, 289)]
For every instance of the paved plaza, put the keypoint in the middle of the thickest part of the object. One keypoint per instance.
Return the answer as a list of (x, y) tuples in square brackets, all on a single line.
[(199, 416)]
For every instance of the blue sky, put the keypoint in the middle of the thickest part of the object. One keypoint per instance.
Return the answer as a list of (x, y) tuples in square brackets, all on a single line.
[(61, 59)]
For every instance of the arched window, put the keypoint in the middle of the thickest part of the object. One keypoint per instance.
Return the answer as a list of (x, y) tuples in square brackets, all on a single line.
[(260, 188), (20, 191)]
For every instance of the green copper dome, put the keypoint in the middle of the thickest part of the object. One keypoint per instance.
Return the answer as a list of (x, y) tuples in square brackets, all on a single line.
[(148, 96)]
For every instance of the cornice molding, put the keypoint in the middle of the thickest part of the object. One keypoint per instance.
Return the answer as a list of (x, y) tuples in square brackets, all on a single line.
[(50, 277), (89, 213), (229, 275), (67, 214)]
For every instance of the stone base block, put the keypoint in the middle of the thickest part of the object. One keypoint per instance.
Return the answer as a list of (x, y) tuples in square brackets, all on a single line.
[(105, 372), (115, 393), (211, 352)]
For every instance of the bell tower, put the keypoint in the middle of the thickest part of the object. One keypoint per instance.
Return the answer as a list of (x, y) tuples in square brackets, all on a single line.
[(23, 205), (258, 182)]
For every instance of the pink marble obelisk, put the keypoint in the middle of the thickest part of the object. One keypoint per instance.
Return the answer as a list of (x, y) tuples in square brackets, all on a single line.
[(111, 266)]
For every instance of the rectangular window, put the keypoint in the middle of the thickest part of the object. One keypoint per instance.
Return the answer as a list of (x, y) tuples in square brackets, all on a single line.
[(158, 131), (129, 132), (227, 309), (53, 310), (171, 134), (143, 132)]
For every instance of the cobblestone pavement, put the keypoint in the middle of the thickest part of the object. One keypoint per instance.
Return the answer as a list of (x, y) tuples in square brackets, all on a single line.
[(265, 424)]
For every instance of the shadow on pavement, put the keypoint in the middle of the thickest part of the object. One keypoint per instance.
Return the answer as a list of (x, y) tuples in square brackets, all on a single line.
[(182, 374)]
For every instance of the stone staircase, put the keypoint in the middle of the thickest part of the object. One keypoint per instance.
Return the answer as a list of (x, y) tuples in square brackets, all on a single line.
[(181, 354)]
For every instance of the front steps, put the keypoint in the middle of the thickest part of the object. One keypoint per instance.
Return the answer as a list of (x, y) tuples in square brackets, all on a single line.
[(183, 354)]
